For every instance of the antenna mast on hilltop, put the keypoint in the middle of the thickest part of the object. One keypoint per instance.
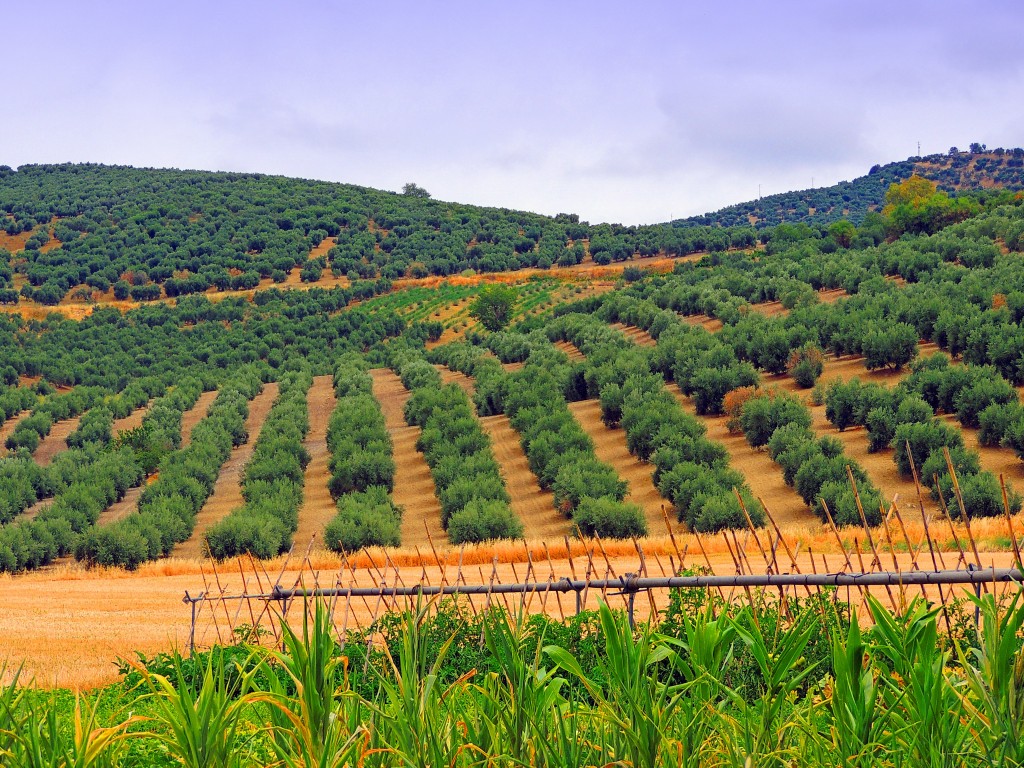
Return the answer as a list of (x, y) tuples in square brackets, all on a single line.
[(919, 149)]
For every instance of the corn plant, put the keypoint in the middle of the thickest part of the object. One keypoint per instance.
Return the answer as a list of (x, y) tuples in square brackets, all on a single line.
[(637, 707), (762, 728), (321, 724), (42, 741), (994, 676), (858, 716), (519, 705), (927, 710), (413, 713), (12, 698), (200, 728)]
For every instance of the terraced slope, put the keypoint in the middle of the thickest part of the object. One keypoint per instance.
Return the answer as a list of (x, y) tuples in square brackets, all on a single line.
[(414, 486)]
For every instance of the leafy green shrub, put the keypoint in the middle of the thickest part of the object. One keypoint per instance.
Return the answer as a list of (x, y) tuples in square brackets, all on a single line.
[(923, 438), (763, 414), (609, 518), (482, 519), (365, 518)]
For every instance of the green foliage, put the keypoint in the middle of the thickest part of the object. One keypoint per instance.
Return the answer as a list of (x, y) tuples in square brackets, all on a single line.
[(762, 415), (494, 306), (366, 518), (483, 520)]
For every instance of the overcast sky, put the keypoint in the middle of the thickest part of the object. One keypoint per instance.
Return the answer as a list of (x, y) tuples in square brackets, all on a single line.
[(632, 112)]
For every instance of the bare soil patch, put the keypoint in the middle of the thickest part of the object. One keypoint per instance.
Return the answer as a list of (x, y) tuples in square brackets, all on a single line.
[(831, 295), (610, 447), (55, 442), (132, 421), (14, 243), (195, 414), (414, 487), (638, 336), (323, 247), (227, 491), (317, 505), (770, 309)]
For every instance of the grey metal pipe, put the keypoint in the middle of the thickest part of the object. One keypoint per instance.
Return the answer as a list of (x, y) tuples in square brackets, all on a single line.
[(632, 584)]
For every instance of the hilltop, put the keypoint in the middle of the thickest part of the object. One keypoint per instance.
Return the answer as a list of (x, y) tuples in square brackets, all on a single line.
[(852, 200)]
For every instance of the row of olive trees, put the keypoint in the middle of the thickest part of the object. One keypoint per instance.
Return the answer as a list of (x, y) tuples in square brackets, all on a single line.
[(595, 509), (14, 400), (559, 451), (168, 506), (22, 481), (815, 467), (362, 465), (31, 430), (470, 489), (82, 483), (690, 471), (904, 416), (272, 481)]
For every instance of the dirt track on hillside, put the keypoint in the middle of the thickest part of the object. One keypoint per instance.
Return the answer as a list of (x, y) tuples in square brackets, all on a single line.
[(414, 487), (317, 505)]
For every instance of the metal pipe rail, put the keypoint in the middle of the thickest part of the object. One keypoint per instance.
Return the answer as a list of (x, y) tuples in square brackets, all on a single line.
[(632, 583)]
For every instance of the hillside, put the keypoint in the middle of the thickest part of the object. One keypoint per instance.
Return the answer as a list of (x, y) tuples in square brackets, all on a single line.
[(99, 233), (605, 407), (961, 172)]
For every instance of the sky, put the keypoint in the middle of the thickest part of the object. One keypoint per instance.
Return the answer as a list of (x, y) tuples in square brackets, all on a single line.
[(633, 112)]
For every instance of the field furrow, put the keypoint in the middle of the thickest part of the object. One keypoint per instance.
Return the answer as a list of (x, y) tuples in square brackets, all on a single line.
[(610, 447), (762, 474), (195, 414), (710, 324), (770, 308), (414, 487), (56, 441), (638, 336), (227, 491), (132, 421), (317, 505), (570, 350), (534, 506)]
